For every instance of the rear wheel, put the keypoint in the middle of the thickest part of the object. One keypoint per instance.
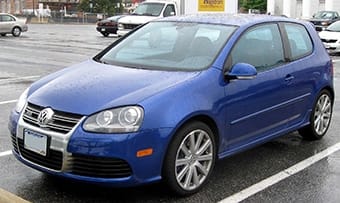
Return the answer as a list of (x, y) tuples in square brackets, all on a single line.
[(190, 158), (320, 118), (16, 31)]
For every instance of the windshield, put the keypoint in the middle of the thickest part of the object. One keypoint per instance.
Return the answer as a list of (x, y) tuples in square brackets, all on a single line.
[(150, 9), (324, 15), (170, 46), (334, 27)]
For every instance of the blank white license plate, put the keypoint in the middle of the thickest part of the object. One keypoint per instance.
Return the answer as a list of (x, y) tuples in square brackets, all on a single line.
[(35, 142), (103, 29)]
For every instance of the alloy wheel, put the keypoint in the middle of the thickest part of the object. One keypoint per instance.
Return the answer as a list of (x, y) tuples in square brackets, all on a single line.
[(322, 114), (194, 159)]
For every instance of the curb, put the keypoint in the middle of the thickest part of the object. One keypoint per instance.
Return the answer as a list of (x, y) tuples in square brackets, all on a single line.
[(7, 197)]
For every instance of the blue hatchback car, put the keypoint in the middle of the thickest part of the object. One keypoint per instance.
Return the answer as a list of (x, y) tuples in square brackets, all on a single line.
[(170, 98)]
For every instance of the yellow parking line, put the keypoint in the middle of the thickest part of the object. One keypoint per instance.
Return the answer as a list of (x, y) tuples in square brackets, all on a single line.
[(7, 197)]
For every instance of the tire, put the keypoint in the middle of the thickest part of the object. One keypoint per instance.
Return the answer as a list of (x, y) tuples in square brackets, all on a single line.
[(105, 34), (3, 34), (184, 172), (16, 32), (320, 117)]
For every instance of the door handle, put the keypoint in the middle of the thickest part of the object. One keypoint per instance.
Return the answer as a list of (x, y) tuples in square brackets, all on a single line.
[(289, 78)]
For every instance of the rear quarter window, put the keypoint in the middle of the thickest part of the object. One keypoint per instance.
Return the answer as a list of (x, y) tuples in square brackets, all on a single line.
[(300, 43)]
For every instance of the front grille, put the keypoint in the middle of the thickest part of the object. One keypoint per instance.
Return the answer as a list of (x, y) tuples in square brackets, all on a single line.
[(99, 167), (14, 143), (62, 122), (316, 22), (329, 40), (53, 159), (130, 26)]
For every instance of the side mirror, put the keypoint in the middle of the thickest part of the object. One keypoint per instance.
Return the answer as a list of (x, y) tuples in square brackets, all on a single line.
[(172, 13), (241, 71)]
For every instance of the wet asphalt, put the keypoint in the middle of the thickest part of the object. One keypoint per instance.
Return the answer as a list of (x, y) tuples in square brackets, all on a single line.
[(48, 48)]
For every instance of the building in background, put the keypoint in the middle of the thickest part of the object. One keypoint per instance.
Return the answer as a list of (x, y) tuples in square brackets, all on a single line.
[(301, 8), (33, 6), (12, 6)]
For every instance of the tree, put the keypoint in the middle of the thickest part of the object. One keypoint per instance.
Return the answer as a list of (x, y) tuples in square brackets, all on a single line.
[(253, 4), (108, 7)]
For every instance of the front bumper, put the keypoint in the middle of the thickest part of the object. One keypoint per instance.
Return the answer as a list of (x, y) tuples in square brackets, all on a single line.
[(106, 29), (332, 47), (122, 32), (24, 28), (96, 158)]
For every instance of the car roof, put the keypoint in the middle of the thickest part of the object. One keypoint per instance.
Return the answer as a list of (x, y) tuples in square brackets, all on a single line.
[(228, 19)]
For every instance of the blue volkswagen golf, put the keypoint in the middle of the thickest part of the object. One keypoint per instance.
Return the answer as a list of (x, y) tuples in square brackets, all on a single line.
[(170, 98)]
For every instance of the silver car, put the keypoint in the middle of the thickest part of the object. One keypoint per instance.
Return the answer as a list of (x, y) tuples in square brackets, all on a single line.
[(9, 24)]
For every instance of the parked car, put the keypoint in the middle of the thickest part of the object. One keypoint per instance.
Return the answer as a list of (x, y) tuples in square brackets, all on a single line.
[(331, 37), (173, 96), (323, 19), (109, 25), (9, 24)]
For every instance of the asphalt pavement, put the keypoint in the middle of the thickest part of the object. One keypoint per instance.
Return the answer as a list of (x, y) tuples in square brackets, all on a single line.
[(288, 169)]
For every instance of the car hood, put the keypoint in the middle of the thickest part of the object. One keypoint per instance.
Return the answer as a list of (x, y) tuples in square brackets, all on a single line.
[(329, 35), (90, 87), (136, 19)]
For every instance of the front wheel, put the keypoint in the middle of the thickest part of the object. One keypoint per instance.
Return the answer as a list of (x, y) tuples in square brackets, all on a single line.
[(190, 158), (105, 34), (320, 118), (16, 31)]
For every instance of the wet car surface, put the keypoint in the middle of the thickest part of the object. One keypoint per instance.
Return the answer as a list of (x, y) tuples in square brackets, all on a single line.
[(314, 183)]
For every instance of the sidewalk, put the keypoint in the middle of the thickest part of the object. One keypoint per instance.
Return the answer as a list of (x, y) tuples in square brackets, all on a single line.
[(7, 197)]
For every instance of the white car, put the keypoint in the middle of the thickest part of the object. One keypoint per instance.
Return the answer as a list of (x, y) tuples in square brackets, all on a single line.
[(331, 37), (9, 24)]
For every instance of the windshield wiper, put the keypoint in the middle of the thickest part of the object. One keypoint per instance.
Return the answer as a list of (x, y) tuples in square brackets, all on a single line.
[(148, 14)]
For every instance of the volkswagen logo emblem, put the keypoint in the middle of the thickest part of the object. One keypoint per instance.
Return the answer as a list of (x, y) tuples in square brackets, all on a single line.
[(45, 117)]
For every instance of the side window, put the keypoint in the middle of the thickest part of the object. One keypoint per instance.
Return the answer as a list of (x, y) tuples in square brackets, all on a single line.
[(300, 43), (6, 18), (169, 10), (260, 46)]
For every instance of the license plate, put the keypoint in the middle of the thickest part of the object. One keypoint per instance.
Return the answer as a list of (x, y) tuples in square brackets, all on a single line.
[(35, 142), (103, 29)]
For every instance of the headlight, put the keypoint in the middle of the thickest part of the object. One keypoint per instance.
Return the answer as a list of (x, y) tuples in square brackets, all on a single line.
[(21, 101), (119, 120), (120, 26), (325, 23)]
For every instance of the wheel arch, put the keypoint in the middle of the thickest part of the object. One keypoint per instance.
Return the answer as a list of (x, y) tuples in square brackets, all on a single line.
[(16, 26), (330, 90), (211, 123)]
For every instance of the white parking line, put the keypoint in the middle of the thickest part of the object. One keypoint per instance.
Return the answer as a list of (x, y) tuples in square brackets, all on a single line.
[(336, 60), (20, 78), (8, 102), (258, 187), (6, 153)]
